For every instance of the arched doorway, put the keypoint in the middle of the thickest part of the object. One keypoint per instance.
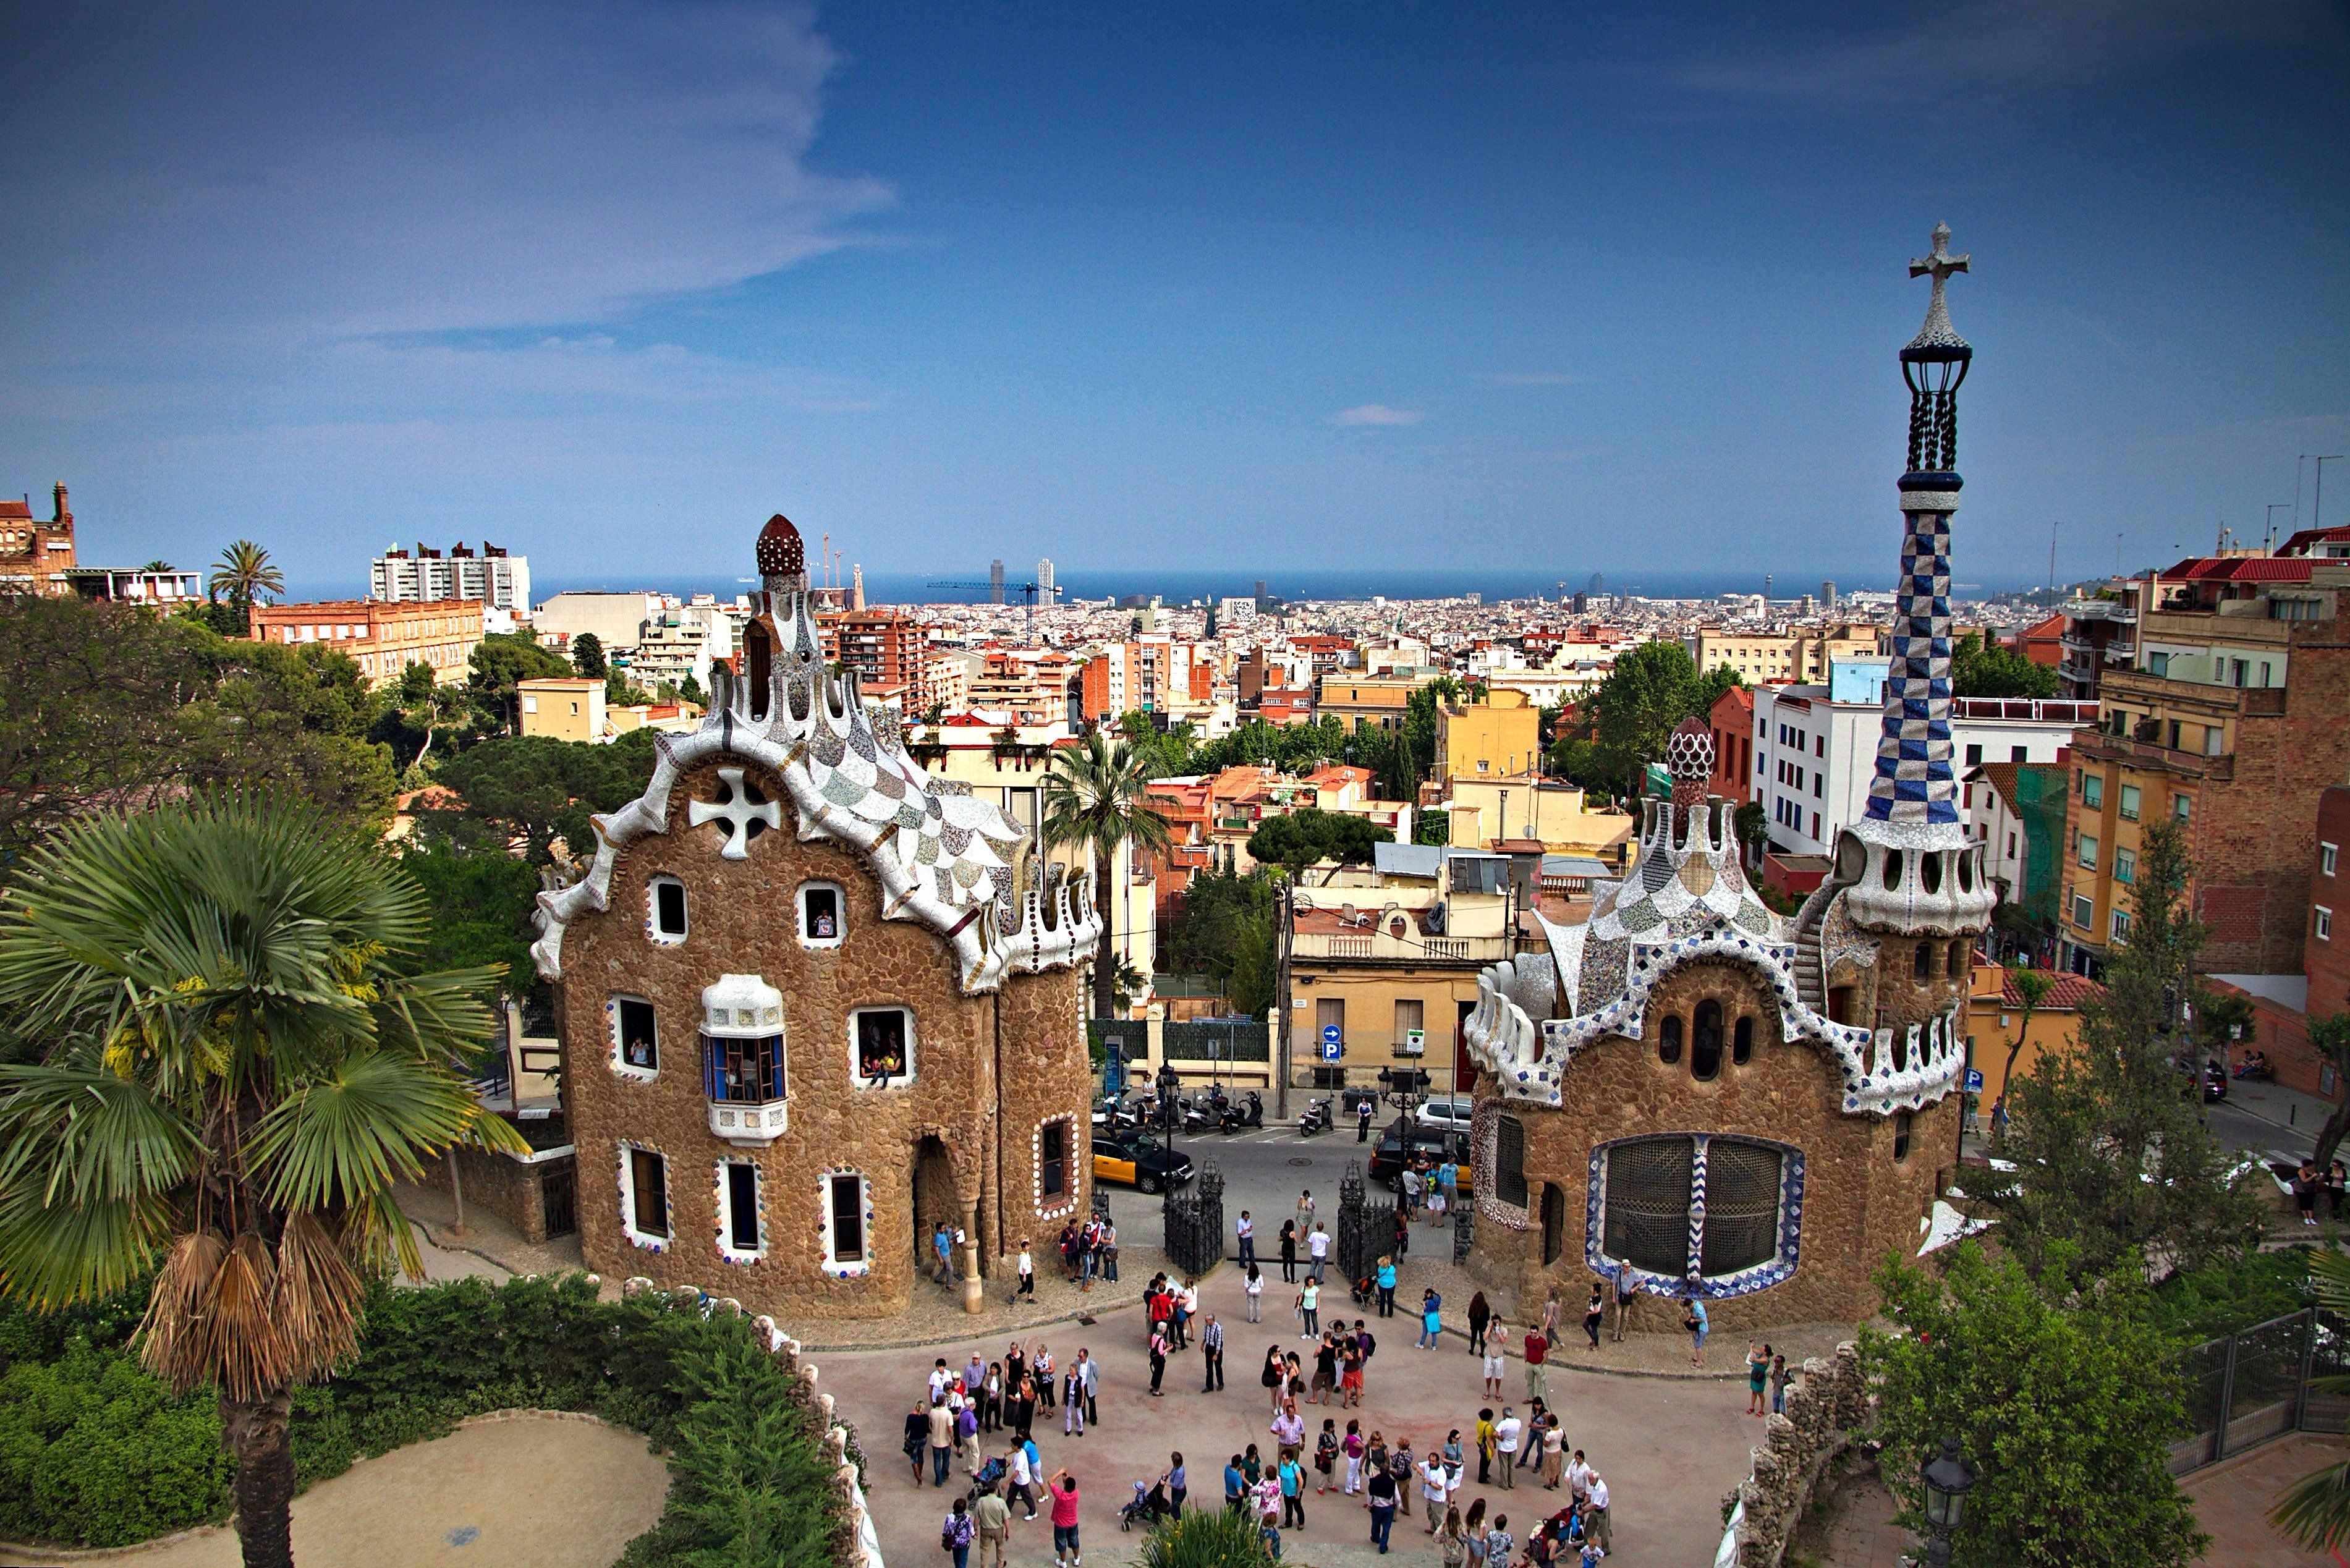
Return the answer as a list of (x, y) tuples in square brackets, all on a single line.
[(933, 1197), (1553, 1222)]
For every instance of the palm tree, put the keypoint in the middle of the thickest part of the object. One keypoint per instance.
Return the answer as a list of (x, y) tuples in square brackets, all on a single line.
[(2315, 1510), (245, 572), (240, 1061), (1097, 795)]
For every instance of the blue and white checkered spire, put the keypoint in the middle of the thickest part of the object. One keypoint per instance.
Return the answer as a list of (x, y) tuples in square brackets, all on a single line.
[(1914, 781)]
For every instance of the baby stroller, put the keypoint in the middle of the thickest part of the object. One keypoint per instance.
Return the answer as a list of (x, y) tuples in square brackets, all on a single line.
[(990, 1477), (1365, 1291), (1148, 1507)]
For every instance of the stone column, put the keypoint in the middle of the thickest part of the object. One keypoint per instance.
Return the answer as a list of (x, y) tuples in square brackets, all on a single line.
[(974, 1291)]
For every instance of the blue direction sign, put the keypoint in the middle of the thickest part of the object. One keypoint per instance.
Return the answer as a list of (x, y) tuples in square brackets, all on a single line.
[(1332, 1041)]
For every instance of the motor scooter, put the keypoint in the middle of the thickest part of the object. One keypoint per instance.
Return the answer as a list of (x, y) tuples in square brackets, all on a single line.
[(1240, 1115), (1314, 1117)]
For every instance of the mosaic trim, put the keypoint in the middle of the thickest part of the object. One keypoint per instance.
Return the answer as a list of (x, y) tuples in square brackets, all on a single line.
[(1484, 1142), (628, 1231), (1068, 1192), (621, 1066), (826, 1261), (944, 858), (727, 1250), (1746, 1281)]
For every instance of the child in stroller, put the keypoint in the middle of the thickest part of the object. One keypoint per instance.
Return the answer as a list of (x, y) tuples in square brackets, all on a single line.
[(1365, 1291), (990, 1477), (1148, 1507)]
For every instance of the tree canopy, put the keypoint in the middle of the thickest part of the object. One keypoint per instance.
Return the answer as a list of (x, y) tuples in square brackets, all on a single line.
[(1977, 670), (1311, 836), (1606, 742), (530, 789)]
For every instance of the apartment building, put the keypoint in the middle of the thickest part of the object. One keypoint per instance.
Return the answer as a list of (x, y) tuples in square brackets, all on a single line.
[(1788, 659), (2282, 1004), (614, 619), (563, 707), (383, 638), (1356, 700), (1731, 719), (493, 577), (1816, 746), (1384, 962), (2100, 633), (2231, 722), (1031, 686), (1151, 674), (167, 588), (885, 646), (1498, 738), (945, 685), (2016, 812), (36, 554)]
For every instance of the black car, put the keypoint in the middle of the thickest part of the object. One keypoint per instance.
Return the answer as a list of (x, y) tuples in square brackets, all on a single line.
[(1437, 1144), (1138, 1160)]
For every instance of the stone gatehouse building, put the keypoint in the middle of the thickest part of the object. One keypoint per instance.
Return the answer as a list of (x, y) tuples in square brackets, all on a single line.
[(1691, 1093), (815, 1002)]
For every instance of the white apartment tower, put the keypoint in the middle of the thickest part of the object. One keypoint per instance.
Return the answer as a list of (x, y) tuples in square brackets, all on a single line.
[(1045, 590), (493, 579)]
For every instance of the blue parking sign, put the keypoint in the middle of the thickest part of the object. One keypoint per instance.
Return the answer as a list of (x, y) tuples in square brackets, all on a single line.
[(1974, 1080), (1330, 1049), (1332, 1041)]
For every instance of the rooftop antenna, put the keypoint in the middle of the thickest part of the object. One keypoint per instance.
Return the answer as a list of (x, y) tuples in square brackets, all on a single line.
[(2274, 507), (2053, 526)]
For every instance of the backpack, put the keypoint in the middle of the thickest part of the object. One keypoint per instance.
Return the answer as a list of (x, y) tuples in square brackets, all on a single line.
[(1368, 1344)]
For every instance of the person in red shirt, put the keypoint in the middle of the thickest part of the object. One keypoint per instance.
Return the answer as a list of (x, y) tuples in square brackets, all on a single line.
[(1537, 1377), (1063, 1487)]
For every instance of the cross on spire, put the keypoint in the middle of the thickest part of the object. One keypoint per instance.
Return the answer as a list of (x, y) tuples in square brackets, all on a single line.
[(1938, 332), (737, 811)]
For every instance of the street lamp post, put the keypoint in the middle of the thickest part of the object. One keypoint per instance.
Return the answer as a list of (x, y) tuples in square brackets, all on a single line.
[(1948, 1477), (1168, 1085)]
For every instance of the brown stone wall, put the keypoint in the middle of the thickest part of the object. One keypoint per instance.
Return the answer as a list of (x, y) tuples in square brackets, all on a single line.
[(743, 918), (508, 1188), (1859, 1201)]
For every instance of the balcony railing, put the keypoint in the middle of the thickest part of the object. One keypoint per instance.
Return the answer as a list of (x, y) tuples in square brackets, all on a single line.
[(1381, 947), (2098, 744)]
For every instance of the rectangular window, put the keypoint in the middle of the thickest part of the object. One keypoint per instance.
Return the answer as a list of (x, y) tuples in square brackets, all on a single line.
[(1408, 1014), (2125, 864), (2092, 790), (2215, 739), (648, 1194), (2019, 753), (2121, 925), (2088, 853), (2158, 664), (1819, 785), (1052, 1159), (2085, 913), (2325, 924), (884, 1042), (2328, 856), (669, 908), (846, 1202), (2182, 807), (636, 1037), (1974, 755), (820, 917), (742, 1217), (1329, 1014), (2130, 803), (1509, 1163)]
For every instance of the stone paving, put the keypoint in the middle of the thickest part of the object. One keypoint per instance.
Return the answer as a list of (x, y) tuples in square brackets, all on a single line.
[(2233, 1496), (1668, 1446)]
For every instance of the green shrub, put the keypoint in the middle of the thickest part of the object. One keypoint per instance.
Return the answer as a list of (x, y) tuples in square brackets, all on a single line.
[(1206, 1538), (95, 1451)]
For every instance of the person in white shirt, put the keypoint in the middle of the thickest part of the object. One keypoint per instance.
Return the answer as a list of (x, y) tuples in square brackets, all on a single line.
[(1433, 1484), (1579, 1478), (1244, 1229), (940, 1378), (1596, 1521), (1254, 1284), (1317, 1248), (1505, 1443)]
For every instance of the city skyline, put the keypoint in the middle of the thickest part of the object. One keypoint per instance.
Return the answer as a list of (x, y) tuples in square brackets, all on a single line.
[(1129, 291)]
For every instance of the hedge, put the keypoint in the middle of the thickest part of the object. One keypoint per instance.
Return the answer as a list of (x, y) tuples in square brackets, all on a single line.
[(95, 1452)]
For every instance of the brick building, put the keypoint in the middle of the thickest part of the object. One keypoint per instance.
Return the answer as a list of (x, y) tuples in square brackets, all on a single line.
[(1732, 719), (2230, 723), (809, 1008), (2282, 1004), (383, 638), (36, 554), (883, 646)]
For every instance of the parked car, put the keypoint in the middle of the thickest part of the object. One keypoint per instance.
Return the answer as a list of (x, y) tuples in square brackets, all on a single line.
[(1438, 1143), (1449, 1111), (1137, 1160)]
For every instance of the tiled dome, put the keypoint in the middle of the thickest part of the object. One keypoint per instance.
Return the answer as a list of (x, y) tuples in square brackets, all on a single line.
[(780, 553)]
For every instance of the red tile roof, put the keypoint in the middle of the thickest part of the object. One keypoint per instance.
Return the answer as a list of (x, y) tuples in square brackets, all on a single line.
[(2065, 996)]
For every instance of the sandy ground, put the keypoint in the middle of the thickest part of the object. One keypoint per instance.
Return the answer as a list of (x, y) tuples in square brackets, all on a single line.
[(528, 1491)]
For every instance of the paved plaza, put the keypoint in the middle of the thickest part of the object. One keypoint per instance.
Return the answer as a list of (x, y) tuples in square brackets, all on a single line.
[(1668, 1447)]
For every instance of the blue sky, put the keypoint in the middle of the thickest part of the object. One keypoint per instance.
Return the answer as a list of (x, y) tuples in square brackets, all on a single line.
[(1267, 286)]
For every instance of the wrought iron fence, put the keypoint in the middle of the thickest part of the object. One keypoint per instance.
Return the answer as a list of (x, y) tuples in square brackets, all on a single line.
[(1365, 1230), (1131, 1034), (2256, 1383), (1217, 1040), (1195, 1222)]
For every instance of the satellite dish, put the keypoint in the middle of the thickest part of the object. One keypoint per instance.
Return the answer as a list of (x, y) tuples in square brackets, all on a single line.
[(1346, 913), (1436, 918)]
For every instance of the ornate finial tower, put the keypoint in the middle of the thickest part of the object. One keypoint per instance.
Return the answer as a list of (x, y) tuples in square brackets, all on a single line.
[(1910, 869)]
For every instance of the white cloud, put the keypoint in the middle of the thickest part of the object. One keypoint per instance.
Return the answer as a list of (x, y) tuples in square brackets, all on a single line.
[(292, 171), (1375, 414)]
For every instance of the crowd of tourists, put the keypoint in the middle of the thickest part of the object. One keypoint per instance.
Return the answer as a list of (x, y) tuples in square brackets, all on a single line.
[(979, 1420)]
